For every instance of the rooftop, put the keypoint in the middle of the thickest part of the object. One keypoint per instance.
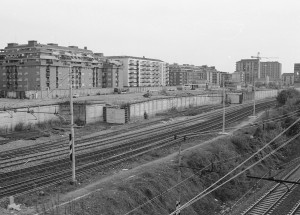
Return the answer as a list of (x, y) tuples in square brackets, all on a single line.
[(139, 58)]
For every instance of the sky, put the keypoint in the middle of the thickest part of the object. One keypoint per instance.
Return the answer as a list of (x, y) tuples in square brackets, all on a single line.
[(199, 32)]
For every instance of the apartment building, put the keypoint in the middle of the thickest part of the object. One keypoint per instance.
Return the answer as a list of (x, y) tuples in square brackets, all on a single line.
[(36, 66), (142, 72), (288, 79), (177, 76), (297, 73), (238, 77), (268, 71), (249, 67), (191, 74)]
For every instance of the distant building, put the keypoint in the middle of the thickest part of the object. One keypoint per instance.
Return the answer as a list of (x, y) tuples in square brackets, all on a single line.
[(288, 79), (269, 71), (198, 75), (177, 75), (297, 74), (142, 72), (36, 66), (238, 77)]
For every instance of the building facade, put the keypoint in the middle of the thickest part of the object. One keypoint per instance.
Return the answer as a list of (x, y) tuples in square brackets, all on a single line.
[(288, 79), (36, 66), (142, 72), (268, 71), (297, 74), (198, 75)]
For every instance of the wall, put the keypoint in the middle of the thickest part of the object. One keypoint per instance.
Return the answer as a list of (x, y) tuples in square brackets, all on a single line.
[(94, 113), (115, 115), (86, 113), (41, 114), (160, 105), (265, 94)]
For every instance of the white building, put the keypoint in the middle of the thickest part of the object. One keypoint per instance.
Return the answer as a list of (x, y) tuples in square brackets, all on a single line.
[(142, 72)]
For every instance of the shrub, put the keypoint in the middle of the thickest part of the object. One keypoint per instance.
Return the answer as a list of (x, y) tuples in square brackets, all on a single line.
[(20, 126), (284, 95)]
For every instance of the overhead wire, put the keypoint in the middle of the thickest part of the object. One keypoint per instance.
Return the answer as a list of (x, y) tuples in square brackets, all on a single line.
[(183, 181), (206, 192)]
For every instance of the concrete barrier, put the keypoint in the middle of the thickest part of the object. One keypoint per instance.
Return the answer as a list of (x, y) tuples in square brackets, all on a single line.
[(153, 107)]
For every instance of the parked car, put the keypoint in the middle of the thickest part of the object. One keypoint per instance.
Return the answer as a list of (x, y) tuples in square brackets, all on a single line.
[(75, 95)]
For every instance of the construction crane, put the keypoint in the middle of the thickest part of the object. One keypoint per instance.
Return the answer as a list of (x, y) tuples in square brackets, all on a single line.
[(258, 57)]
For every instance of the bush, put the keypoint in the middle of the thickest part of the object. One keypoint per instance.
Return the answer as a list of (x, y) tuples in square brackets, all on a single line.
[(284, 95), (20, 126)]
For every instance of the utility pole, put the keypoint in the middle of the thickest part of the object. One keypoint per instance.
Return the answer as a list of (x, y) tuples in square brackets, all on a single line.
[(253, 77), (224, 98), (72, 143), (179, 176)]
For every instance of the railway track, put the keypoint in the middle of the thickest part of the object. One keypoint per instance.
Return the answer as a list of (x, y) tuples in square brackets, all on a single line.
[(295, 210), (272, 199), (18, 157), (63, 142), (60, 169)]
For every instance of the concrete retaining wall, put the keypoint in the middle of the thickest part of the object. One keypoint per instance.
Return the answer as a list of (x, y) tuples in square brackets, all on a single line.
[(84, 113), (115, 115), (10, 119), (266, 94), (153, 107)]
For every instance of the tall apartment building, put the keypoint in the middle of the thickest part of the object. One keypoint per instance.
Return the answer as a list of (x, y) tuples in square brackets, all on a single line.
[(288, 79), (269, 71), (250, 69), (297, 73), (36, 66), (142, 72)]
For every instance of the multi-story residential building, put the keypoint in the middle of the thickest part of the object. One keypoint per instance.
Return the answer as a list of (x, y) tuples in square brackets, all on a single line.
[(238, 77), (142, 72), (177, 76), (36, 66), (288, 79), (191, 74), (297, 73), (250, 69), (268, 71)]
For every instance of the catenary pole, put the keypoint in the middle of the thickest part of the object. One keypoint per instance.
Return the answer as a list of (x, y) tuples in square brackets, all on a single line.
[(179, 177), (224, 97), (72, 127), (254, 88)]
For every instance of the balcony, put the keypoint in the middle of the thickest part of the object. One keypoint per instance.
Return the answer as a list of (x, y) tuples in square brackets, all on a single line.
[(132, 72)]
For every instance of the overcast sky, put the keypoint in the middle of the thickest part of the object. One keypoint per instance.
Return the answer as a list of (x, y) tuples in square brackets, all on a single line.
[(200, 32)]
